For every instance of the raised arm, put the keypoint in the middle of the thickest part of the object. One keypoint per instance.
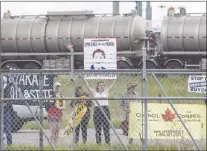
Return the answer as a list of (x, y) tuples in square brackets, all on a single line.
[(63, 104), (111, 86), (87, 84)]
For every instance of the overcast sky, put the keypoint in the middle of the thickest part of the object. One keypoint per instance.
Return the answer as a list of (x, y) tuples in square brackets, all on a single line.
[(20, 8)]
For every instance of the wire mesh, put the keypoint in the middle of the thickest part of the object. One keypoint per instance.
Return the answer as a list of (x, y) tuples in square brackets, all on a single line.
[(120, 126)]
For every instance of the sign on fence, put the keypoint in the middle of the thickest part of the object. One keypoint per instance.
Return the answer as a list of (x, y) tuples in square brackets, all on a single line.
[(163, 123), (100, 54), (197, 84), (29, 86)]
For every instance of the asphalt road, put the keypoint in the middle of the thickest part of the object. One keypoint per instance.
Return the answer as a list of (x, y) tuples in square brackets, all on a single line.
[(31, 138)]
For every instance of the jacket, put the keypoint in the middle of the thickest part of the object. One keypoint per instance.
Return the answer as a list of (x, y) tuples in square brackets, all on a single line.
[(88, 103), (52, 110)]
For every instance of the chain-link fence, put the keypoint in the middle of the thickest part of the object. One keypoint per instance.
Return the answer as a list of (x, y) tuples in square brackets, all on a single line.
[(109, 114)]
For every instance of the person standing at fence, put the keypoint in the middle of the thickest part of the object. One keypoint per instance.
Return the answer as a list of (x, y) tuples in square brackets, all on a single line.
[(84, 121), (54, 109), (100, 120), (8, 112), (125, 104)]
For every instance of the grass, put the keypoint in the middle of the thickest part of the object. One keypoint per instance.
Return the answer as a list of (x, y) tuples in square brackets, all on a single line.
[(113, 147), (173, 85)]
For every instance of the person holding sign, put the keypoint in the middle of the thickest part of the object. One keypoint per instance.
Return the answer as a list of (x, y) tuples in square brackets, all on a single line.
[(54, 109), (125, 104), (100, 120), (85, 119)]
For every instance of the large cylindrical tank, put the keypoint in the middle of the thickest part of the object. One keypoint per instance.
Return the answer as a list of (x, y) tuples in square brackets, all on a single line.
[(52, 33), (184, 33)]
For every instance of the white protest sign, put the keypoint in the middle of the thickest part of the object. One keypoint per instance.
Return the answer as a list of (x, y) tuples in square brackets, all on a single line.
[(100, 54), (197, 84)]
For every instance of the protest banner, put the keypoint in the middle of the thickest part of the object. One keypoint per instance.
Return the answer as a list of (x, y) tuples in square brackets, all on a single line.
[(197, 84), (80, 111), (100, 54), (163, 123), (29, 86)]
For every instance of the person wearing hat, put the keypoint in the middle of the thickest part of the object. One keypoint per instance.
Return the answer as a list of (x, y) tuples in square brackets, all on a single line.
[(130, 93), (54, 109), (84, 121)]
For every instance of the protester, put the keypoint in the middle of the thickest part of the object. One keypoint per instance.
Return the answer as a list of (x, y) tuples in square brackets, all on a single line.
[(8, 110), (54, 109), (130, 93), (100, 120), (84, 121)]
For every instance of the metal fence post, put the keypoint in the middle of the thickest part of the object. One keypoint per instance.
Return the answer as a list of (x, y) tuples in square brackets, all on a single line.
[(70, 47), (1, 102), (1, 113), (41, 113), (145, 91)]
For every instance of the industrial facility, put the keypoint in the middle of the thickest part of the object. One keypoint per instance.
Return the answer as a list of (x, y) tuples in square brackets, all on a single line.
[(176, 45)]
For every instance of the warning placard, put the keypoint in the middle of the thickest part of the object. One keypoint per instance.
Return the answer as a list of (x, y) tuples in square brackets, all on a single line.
[(197, 84)]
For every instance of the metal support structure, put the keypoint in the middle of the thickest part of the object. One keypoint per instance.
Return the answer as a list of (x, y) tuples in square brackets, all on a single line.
[(112, 98), (26, 103), (122, 71), (157, 81), (105, 116), (139, 8), (148, 11), (1, 113), (115, 7), (186, 53), (41, 113), (70, 48), (1, 102), (124, 52), (145, 91)]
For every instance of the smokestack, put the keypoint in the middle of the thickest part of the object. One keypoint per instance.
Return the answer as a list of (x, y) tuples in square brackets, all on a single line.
[(115, 8), (139, 8), (148, 11)]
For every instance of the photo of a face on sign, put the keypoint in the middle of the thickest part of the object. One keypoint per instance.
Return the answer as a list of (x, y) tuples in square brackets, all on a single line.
[(98, 55)]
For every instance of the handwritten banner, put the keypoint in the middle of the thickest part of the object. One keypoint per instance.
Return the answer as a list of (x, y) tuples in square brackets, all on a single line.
[(29, 86), (100, 54), (197, 84)]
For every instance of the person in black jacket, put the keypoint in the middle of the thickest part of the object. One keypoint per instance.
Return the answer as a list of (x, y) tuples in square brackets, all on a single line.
[(84, 122), (8, 110)]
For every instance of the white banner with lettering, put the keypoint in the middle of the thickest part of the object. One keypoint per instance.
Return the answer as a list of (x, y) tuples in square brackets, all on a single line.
[(100, 54), (197, 84)]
